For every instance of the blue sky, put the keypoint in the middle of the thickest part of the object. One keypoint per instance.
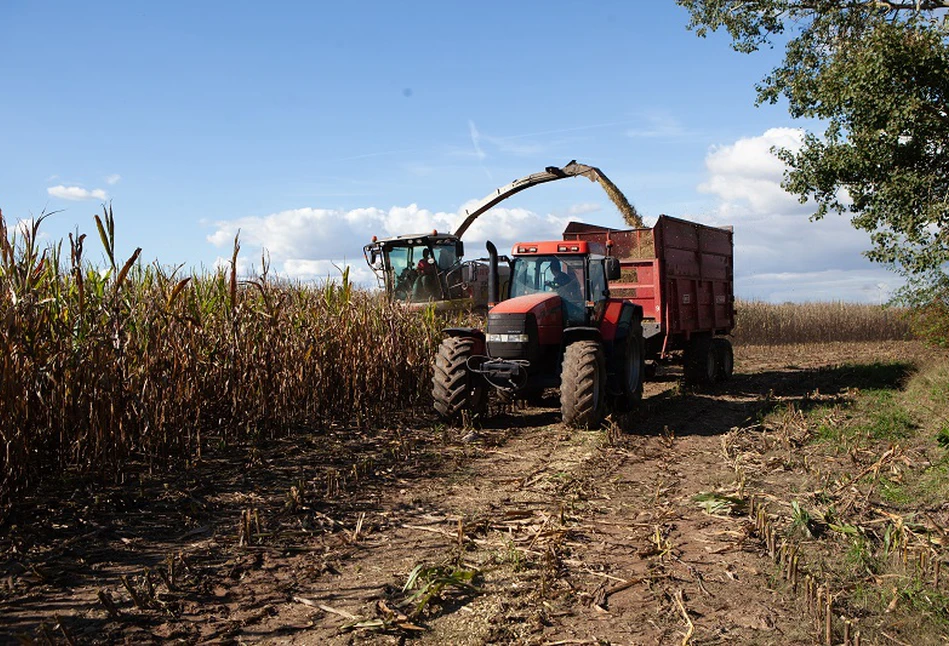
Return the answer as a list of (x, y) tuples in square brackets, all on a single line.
[(312, 126)]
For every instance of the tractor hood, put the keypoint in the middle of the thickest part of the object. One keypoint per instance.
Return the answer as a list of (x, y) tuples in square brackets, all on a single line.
[(543, 306), (518, 326)]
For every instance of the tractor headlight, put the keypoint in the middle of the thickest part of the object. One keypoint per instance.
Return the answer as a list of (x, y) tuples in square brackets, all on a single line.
[(508, 338)]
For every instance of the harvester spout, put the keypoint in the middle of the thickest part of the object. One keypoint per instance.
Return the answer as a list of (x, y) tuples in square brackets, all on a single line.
[(550, 174)]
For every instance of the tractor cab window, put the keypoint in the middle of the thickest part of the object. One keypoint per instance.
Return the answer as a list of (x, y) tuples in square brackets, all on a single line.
[(598, 289), (562, 275)]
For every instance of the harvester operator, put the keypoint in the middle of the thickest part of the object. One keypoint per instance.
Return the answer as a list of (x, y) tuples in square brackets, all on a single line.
[(426, 285)]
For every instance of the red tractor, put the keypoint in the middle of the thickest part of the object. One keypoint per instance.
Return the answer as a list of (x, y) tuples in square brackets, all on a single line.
[(559, 328)]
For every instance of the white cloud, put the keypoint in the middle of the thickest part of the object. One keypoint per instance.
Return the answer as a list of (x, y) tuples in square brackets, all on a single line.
[(24, 228), (359, 272), (748, 173), (113, 179), (312, 242), (77, 193), (780, 255), (872, 285)]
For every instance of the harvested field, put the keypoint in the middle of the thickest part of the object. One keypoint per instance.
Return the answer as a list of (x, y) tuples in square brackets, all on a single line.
[(522, 531)]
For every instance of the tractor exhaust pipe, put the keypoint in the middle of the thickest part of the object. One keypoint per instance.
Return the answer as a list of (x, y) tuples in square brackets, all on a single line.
[(493, 279)]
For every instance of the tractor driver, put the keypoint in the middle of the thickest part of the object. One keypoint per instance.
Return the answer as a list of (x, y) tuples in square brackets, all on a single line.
[(566, 286)]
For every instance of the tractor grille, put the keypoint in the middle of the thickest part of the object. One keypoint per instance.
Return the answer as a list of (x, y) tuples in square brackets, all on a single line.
[(512, 336)]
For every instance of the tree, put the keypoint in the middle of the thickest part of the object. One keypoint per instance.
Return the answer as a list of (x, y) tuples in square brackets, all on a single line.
[(877, 74)]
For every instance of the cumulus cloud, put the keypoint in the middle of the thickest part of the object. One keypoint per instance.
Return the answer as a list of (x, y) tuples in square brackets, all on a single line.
[(317, 243), (747, 173), (77, 193), (779, 253)]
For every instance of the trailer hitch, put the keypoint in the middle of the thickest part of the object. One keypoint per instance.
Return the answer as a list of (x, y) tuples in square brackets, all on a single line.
[(503, 374)]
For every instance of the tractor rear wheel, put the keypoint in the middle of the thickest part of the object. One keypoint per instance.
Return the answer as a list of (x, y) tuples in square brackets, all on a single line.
[(701, 366), (724, 358), (454, 388), (583, 385), (632, 371)]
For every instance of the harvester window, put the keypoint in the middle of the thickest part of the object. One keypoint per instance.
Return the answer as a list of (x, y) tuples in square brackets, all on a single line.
[(409, 283), (446, 257)]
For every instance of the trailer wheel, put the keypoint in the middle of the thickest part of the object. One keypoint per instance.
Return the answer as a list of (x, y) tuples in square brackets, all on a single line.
[(454, 387), (632, 373), (583, 384), (701, 366), (724, 358)]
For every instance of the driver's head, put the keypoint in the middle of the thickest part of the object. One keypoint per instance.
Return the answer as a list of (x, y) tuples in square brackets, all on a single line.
[(426, 253), (555, 267)]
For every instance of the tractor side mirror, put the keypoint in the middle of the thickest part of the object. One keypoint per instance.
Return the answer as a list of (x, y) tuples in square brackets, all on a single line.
[(459, 249), (612, 268)]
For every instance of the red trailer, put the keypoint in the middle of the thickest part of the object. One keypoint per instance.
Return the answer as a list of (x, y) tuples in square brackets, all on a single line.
[(681, 273)]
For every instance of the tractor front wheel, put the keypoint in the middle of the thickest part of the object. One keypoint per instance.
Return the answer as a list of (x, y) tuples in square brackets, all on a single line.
[(583, 384), (454, 388)]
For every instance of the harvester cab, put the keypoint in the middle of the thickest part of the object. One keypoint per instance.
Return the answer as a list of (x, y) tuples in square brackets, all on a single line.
[(427, 268)]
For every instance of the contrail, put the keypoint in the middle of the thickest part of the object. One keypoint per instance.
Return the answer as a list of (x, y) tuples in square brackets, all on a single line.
[(475, 137), (475, 141)]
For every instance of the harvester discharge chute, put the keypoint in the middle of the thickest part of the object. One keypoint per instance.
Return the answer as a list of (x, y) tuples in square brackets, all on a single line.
[(428, 268)]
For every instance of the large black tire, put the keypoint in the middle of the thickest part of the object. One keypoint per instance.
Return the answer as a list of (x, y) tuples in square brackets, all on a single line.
[(701, 367), (583, 385), (632, 371), (454, 388), (724, 358)]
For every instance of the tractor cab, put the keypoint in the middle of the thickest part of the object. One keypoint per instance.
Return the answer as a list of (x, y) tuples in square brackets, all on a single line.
[(418, 268), (569, 270)]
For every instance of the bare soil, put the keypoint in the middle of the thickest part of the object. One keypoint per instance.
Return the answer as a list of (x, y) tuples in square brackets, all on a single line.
[(522, 531)]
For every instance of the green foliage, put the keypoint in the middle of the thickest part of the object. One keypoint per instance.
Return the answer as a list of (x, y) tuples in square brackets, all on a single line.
[(801, 521), (942, 437), (861, 555), (928, 310), (878, 75), (434, 581), (886, 418), (718, 504)]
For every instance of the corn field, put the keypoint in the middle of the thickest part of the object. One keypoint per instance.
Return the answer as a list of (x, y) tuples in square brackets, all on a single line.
[(758, 323), (102, 369), (132, 366)]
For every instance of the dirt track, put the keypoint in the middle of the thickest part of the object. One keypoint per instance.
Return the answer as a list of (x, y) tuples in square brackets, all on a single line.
[(591, 537)]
